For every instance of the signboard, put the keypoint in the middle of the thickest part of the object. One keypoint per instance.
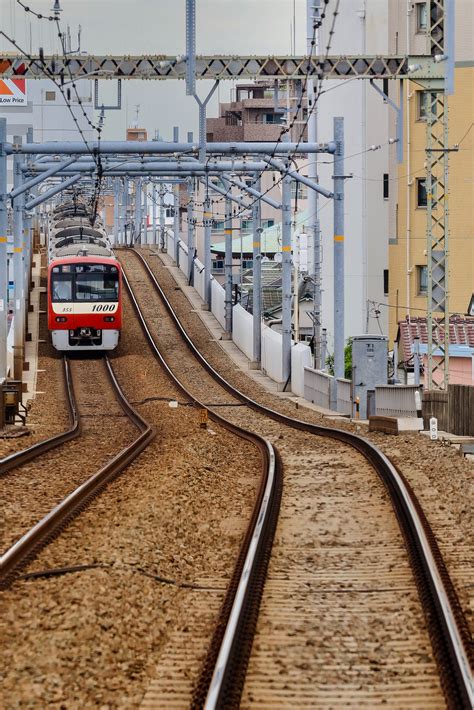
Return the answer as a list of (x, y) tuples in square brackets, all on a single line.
[(13, 92)]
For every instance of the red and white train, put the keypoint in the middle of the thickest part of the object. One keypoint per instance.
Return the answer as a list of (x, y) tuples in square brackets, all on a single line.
[(84, 282)]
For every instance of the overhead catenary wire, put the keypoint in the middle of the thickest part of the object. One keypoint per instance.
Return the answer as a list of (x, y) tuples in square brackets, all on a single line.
[(95, 154)]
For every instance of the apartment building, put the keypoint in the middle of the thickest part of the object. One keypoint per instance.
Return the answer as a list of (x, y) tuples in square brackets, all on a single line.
[(408, 273)]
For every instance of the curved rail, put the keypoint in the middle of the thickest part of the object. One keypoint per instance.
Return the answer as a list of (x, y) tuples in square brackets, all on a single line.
[(41, 447), (239, 612), (448, 629), (31, 542)]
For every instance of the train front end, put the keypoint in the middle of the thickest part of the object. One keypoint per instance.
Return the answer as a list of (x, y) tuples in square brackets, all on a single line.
[(84, 303)]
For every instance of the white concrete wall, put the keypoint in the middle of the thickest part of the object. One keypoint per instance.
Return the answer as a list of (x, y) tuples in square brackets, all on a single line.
[(242, 334), (218, 302), (272, 354), (183, 258), (317, 387), (300, 358), (199, 278)]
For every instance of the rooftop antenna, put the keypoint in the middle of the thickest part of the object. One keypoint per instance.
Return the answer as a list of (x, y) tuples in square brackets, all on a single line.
[(137, 113)]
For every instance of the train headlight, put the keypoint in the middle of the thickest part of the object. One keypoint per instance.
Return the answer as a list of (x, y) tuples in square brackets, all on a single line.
[(61, 319), (109, 319)]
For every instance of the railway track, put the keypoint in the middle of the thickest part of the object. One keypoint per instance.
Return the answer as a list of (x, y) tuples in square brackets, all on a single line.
[(223, 678), (49, 483), (19, 458)]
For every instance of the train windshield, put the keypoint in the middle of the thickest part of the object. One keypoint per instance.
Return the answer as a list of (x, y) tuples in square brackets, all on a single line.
[(84, 282)]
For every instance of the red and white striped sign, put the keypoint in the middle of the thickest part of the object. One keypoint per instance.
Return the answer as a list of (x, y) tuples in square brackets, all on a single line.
[(13, 92)]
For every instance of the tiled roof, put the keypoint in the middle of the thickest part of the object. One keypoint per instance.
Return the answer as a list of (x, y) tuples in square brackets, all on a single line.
[(461, 332), (271, 288)]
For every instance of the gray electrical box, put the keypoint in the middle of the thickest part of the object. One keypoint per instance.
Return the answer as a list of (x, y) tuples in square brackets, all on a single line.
[(369, 368)]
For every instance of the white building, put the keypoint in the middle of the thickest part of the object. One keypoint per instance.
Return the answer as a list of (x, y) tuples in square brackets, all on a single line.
[(47, 114)]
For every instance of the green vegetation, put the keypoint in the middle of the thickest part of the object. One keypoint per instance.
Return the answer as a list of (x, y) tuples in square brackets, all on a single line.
[(347, 361)]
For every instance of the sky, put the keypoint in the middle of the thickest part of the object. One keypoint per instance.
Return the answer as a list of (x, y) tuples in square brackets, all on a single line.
[(158, 27)]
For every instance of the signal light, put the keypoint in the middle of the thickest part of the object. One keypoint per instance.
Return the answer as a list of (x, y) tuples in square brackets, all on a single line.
[(61, 319), (109, 319)]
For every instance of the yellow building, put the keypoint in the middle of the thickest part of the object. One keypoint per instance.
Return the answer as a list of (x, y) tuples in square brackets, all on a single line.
[(408, 242)]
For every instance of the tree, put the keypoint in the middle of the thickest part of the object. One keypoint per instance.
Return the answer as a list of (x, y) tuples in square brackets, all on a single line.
[(347, 361)]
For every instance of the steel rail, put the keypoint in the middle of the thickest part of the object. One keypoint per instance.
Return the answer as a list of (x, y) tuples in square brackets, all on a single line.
[(48, 527), (447, 626), (239, 612), (41, 447)]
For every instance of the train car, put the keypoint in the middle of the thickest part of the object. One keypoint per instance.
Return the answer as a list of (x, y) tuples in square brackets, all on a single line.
[(84, 285)]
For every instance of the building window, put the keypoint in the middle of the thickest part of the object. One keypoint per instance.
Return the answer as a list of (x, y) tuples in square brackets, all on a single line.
[(50, 95), (421, 17), (247, 225), (266, 223), (421, 196), (169, 212), (424, 99), (247, 263), (297, 190), (385, 186), (272, 118), (422, 279), (385, 282), (218, 225), (217, 266)]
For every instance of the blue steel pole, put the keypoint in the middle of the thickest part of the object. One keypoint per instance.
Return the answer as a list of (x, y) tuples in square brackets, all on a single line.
[(3, 250)]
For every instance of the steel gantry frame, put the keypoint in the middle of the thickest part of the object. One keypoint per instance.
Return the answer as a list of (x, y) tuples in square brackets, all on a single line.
[(426, 69), (441, 45), (215, 68)]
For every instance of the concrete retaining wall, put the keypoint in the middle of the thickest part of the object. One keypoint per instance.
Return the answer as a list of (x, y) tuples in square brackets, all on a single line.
[(272, 354), (242, 334), (300, 359), (396, 400), (217, 300), (317, 387), (343, 395)]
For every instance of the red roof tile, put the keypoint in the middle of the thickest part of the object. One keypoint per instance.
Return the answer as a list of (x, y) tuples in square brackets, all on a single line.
[(461, 332)]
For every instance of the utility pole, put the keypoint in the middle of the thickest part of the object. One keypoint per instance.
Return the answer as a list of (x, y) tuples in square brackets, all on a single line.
[(207, 250), (153, 211), (162, 218), (228, 268), (339, 248), (125, 210), (3, 250), (18, 268), (116, 211), (286, 278), (144, 192), (190, 232), (176, 224), (257, 277), (138, 210), (313, 21)]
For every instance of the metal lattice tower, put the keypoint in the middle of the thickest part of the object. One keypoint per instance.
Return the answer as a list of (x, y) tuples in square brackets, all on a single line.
[(437, 152)]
